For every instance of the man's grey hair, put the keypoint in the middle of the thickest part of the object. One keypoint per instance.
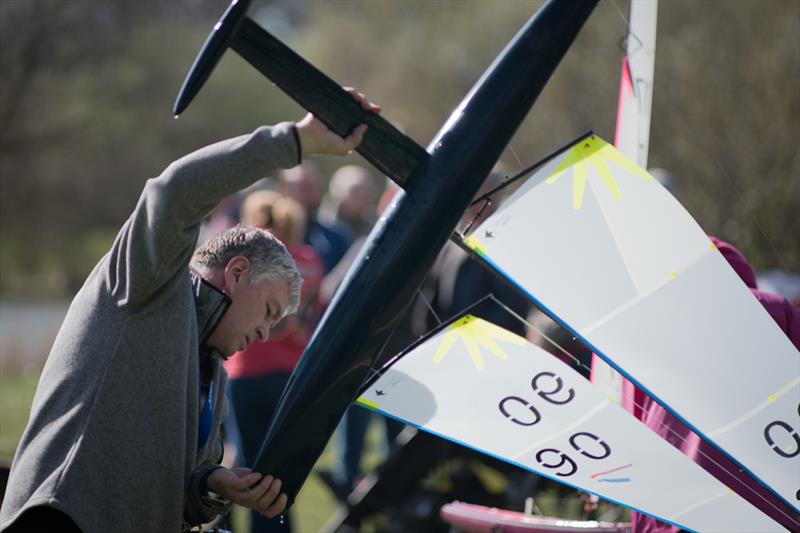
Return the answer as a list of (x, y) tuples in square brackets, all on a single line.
[(268, 258)]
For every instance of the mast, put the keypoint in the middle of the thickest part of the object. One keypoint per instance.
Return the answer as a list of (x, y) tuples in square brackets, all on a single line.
[(632, 135)]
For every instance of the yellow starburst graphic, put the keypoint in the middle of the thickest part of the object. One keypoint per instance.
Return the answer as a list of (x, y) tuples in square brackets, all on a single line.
[(596, 153), (475, 246), (475, 333)]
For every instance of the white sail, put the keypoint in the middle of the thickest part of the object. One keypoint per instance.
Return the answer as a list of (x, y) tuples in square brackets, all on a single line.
[(632, 135), (594, 239), (484, 387)]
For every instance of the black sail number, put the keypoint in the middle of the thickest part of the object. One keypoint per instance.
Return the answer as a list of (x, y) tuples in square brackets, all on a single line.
[(556, 387), (562, 460), (606, 450), (768, 436), (550, 387), (528, 408)]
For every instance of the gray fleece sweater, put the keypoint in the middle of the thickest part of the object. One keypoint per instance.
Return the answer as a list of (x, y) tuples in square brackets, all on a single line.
[(113, 430)]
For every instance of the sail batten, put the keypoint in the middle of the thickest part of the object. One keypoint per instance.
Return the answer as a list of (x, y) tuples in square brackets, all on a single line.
[(532, 410), (672, 319)]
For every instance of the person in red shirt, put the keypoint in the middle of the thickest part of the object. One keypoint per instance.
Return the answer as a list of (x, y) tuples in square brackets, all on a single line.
[(258, 375), (787, 316)]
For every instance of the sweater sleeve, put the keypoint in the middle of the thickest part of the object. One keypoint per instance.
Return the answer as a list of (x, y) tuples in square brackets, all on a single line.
[(156, 243), (197, 510)]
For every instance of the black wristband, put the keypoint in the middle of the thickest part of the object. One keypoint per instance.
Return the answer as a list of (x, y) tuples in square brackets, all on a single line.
[(208, 496), (299, 145), (204, 480)]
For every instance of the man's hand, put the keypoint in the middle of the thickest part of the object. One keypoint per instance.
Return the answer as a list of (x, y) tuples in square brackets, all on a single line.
[(249, 489), (316, 138)]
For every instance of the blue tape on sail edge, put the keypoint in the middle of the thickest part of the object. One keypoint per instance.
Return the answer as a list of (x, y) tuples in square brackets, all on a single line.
[(529, 469), (600, 354)]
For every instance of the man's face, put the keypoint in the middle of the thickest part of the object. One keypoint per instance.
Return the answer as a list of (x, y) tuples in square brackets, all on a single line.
[(254, 310)]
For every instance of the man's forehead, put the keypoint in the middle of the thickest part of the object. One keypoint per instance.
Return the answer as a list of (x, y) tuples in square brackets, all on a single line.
[(275, 290)]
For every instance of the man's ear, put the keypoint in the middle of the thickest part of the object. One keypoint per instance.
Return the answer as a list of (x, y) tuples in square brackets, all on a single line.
[(237, 271)]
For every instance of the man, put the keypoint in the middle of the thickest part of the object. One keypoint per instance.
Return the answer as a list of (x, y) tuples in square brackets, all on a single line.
[(258, 375), (303, 184), (353, 199), (124, 428)]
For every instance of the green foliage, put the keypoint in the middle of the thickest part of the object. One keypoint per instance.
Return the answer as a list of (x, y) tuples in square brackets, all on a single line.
[(92, 119), (35, 266), (726, 104), (725, 110)]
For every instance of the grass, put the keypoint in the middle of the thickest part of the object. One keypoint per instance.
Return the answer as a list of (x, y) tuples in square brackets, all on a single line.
[(315, 503), (16, 395)]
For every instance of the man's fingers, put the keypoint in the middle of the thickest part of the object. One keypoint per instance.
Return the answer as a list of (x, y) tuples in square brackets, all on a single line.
[(358, 96), (241, 471), (257, 492), (355, 138), (363, 100), (249, 480), (268, 498), (316, 138), (277, 507), (251, 495), (369, 106), (243, 483)]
